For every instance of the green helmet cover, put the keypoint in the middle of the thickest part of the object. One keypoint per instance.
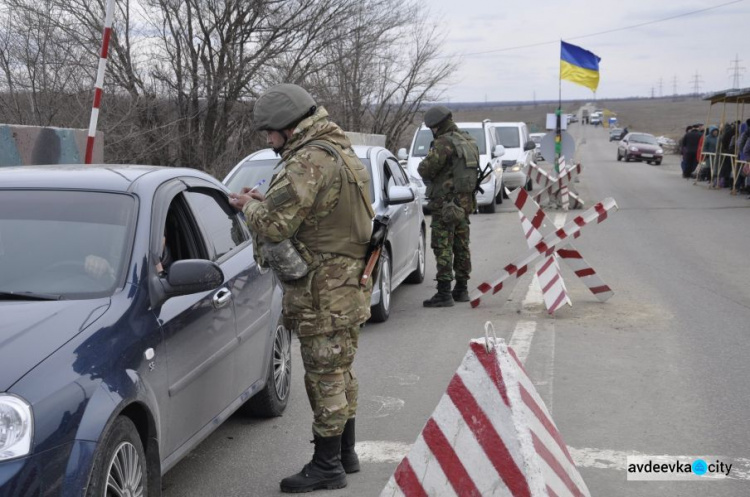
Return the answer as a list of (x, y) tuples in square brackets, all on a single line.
[(436, 115), (281, 106)]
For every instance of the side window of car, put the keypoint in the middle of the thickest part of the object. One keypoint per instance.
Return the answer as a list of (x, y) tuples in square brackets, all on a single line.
[(395, 172), (218, 219)]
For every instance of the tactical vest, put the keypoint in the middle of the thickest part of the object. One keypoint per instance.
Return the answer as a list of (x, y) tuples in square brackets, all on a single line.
[(347, 229), (464, 170)]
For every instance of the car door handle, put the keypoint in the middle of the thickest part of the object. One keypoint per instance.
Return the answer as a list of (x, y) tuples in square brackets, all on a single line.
[(222, 298)]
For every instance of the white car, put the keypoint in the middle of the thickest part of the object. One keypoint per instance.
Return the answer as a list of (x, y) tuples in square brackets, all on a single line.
[(489, 161), (519, 153), (392, 194), (537, 139)]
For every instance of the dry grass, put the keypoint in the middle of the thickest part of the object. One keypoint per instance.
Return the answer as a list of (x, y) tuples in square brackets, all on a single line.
[(659, 116)]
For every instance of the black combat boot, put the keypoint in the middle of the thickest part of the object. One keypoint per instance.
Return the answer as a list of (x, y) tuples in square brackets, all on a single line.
[(442, 298), (460, 291), (349, 459), (323, 472)]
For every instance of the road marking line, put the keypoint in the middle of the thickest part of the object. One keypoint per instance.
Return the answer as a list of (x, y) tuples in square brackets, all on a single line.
[(393, 452)]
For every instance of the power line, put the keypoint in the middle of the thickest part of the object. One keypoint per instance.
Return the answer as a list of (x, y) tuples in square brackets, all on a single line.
[(697, 83), (633, 26)]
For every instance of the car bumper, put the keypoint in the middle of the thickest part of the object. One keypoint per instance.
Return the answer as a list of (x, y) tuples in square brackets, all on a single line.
[(641, 156), (63, 471), (513, 179), (490, 193)]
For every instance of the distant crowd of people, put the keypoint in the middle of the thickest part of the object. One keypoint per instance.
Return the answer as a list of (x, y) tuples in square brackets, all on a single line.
[(708, 154)]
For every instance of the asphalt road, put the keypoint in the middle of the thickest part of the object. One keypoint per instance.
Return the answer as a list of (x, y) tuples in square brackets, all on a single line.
[(659, 369)]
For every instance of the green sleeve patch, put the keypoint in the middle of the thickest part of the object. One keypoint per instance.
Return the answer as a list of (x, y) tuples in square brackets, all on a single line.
[(282, 196)]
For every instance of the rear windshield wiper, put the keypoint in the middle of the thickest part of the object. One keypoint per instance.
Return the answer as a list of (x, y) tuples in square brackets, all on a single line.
[(28, 296)]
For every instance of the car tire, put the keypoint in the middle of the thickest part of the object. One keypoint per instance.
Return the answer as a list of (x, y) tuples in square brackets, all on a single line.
[(619, 157), (657, 162), (489, 208), (529, 186), (271, 401), (627, 158), (417, 276), (122, 459), (380, 312)]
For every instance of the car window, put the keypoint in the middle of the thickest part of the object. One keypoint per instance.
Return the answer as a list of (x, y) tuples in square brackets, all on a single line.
[(252, 172), (74, 244), (508, 136), (218, 219), (394, 174), (478, 135), (422, 143), (642, 138)]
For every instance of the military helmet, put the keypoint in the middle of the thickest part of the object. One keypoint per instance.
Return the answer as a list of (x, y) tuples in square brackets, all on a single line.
[(436, 115), (282, 106)]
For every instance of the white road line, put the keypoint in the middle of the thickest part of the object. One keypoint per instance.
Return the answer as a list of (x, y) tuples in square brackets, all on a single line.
[(394, 452)]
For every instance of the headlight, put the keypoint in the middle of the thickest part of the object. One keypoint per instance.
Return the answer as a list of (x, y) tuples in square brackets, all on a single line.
[(633, 149), (659, 151), (516, 168), (16, 427), (487, 179)]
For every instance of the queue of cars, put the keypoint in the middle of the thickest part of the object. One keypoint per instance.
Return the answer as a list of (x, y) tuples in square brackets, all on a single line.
[(505, 151), (147, 322)]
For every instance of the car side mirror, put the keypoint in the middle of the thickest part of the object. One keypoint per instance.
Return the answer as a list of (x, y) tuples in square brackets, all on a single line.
[(399, 195), (402, 155), (499, 151), (186, 277), (530, 145)]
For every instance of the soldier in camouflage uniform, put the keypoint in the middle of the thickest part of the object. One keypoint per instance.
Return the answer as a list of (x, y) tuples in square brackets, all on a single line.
[(319, 201), (451, 169)]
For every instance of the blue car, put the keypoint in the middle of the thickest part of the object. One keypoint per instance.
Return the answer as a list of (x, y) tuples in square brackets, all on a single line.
[(133, 321)]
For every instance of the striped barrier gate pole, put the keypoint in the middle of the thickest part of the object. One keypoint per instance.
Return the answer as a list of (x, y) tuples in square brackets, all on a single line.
[(99, 80), (546, 247)]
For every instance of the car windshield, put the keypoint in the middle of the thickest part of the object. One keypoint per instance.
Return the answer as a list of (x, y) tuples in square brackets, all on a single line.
[(507, 136), (424, 140), (251, 172), (641, 138), (536, 138), (615, 131), (71, 244)]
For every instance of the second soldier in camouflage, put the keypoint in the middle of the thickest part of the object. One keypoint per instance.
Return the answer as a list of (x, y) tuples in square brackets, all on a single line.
[(451, 169)]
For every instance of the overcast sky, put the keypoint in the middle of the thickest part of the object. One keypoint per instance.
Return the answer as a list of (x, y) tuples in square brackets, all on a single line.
[(634, 61)]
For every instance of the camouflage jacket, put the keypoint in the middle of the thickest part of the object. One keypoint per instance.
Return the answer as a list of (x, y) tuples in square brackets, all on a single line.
[(436, 170), (305, 190)]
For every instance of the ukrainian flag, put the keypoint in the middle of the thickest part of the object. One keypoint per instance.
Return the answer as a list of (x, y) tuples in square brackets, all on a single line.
[(579, 66)]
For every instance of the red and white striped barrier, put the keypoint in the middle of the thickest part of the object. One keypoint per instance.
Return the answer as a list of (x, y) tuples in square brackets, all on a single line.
[(490, 435), (99, 81), (544, 248), (553, 287), (556, 188)]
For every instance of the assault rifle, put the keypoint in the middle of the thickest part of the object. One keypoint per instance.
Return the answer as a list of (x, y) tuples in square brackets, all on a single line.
[(482, 176)]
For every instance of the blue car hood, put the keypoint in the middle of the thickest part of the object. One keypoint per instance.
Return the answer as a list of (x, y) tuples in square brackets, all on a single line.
[(31, 331)]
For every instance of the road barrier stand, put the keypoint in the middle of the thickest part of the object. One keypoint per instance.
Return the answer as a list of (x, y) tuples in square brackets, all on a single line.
[(490, 435), (552, 241), (552, 188)]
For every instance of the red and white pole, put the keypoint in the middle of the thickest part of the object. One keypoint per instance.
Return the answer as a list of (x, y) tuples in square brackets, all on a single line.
[(99, 80)]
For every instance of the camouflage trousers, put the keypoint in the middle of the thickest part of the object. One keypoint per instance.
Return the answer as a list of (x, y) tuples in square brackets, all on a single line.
[(330, 381), (450, 244)]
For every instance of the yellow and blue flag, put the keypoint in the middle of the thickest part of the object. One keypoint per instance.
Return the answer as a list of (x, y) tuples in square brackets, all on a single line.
[(579, 66)]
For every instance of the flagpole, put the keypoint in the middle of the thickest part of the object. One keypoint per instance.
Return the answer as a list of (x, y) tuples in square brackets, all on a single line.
[(558, 124)]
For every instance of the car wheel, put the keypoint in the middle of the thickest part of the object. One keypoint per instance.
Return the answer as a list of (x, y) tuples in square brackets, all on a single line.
[(627, 158), (529, 186), (619, 157), (120, 468), (382, 310), (417, 276), (657, 162), (272, 400), (488, 209)]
